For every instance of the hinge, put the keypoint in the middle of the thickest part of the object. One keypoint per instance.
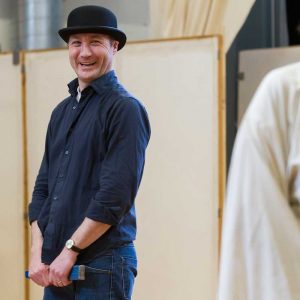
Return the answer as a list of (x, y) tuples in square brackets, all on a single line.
[(25, 215), (219, 54), (241, 76), (23, 69), (219, 213), (16, 57)]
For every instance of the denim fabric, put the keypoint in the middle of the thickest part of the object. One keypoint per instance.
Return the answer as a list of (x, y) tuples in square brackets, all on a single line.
[(110, 277)]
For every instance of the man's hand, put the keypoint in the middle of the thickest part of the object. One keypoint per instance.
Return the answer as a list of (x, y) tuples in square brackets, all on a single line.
[(88, 232), (38, 271), (61, 267)]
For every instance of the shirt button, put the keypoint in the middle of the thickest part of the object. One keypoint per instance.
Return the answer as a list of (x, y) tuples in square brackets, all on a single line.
[(67, 152), (61, 175), (55, 198), (74, 107)]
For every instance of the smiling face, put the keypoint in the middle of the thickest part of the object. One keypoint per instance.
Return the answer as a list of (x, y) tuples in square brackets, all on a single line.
[(91, 56)]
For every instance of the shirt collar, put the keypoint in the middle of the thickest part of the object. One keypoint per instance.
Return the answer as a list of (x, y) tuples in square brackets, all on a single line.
[(78, 96), (99, 85)]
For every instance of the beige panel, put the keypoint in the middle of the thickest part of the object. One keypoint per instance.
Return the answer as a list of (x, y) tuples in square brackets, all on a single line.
[(254, 65), (11, 178), (178, 201), (47, 75)]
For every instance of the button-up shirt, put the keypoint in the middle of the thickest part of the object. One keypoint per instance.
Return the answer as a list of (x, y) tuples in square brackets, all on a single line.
[(92, 167)]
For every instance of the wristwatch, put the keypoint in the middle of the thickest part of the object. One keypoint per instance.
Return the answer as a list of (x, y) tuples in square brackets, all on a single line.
[(70, 245)]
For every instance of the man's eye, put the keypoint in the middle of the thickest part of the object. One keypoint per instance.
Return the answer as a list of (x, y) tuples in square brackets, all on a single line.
[(96, 42), (75, 43)]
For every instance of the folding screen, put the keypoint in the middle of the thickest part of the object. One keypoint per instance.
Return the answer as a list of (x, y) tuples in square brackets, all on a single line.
[(178, 202), (177, 207), (11, 178)]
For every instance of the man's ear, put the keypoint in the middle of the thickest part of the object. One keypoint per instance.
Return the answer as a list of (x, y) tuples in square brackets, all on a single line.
[(115, 47)]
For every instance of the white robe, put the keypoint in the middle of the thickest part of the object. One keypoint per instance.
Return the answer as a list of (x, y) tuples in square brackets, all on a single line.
[(260, 257)]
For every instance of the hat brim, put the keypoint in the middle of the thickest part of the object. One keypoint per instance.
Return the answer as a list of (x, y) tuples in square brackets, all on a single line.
[(117, 34)]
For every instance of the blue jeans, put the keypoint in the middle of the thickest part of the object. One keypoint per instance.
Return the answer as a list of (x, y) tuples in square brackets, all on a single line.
[(111, 278)]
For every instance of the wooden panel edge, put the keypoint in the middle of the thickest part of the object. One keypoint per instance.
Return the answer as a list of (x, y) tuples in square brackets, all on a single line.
[(222, 135), (25, 173)]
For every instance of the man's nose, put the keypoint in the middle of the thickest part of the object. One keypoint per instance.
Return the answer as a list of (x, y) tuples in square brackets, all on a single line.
[(85, 50)]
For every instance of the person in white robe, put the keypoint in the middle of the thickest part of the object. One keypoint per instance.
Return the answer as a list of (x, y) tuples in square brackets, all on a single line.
[(260, 256)]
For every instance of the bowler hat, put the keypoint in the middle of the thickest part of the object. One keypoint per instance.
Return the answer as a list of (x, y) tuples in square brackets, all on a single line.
[(93, 19)]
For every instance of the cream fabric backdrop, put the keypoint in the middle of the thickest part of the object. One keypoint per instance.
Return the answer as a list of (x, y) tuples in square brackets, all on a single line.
[(11, 178), (181, 18), (177, 206)]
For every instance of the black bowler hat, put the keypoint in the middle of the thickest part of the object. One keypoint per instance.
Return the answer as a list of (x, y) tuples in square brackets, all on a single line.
[(93, 19)]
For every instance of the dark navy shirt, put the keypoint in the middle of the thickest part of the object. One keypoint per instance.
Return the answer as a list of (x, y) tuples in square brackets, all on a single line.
[(92, 167)]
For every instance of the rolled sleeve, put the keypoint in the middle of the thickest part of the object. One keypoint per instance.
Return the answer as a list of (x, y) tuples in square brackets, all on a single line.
[(128, 133)]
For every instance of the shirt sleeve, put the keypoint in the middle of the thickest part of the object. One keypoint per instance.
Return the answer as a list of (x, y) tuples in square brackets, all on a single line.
[(40, 191), (128, 134)]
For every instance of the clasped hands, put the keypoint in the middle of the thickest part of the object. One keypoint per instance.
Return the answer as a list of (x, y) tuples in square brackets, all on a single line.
[(55, 274)]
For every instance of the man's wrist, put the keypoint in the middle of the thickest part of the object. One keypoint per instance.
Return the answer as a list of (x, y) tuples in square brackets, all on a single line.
[(70, 253), (36, 247)]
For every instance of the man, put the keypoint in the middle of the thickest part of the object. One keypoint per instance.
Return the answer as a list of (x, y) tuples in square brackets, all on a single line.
[(82, 209), (260, 257)]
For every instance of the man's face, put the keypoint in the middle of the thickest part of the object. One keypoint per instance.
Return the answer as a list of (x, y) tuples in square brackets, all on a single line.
[(91, 55)]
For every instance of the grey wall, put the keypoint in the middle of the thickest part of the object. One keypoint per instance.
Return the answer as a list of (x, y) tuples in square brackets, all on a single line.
[(265, 27), (133, 17), (8, 25)]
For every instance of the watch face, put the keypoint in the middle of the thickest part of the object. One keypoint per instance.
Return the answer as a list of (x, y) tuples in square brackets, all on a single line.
[(69, 244)]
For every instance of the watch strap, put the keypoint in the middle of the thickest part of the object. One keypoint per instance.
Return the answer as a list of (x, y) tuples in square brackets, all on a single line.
[(75, 249)]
